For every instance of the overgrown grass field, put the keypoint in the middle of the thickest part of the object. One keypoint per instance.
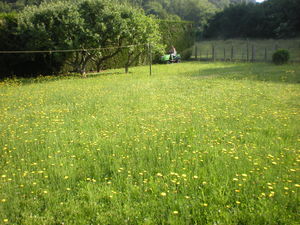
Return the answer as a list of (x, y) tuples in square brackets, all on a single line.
[(195, 143)]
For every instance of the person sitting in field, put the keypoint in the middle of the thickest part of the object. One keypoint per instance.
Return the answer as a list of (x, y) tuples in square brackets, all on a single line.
[(172, 52)]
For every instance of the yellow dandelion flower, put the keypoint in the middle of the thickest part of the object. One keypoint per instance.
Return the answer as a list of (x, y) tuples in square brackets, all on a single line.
[(163, 194), (175, 212), (237, 202)]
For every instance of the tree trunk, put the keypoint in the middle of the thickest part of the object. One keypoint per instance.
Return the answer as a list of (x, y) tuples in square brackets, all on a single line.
[(126, 68), (83, 73), (98, 67)]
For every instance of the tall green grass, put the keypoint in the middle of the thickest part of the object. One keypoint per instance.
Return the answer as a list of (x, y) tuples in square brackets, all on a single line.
[(196, 143)]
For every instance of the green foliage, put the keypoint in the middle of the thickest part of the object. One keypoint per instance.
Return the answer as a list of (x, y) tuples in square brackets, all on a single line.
[(271, 19), (10, 39), (50, 26), (5, 7), (281, 56), (181, 35), (81, 25), (143, 32)]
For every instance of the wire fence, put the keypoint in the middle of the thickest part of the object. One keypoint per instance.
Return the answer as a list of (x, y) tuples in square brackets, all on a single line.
[(79, 61), (244, 50), (70, 50)]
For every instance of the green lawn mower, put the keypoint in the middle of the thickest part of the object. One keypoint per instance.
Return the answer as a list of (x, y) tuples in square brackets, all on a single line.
[(167, 59)]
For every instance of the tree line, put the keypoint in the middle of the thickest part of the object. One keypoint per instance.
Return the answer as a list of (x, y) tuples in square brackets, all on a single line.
[(81, 25), (270, 19), (96, 34), (198, 11), (213, 18)]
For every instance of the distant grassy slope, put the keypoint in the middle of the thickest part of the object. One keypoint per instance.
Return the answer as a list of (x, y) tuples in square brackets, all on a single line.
[(193, 144)]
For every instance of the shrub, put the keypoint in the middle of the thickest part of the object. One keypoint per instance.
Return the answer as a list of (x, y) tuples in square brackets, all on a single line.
[(281, 56)]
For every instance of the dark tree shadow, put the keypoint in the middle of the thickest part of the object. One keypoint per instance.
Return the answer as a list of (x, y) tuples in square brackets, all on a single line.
[(252, 71)]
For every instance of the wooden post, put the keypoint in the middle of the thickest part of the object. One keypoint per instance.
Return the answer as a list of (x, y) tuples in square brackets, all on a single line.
[(50, 54), (253, 53), (213, 53), (231, 58), (247, 51), (242, 54), (196, 52), (224, 54), (207, 55), (266, 55)]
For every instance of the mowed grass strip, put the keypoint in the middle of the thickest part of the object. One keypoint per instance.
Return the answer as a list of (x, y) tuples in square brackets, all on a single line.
[(196, 143)]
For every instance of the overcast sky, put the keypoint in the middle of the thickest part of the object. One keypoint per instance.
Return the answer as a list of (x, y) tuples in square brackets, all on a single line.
[(259, 0)]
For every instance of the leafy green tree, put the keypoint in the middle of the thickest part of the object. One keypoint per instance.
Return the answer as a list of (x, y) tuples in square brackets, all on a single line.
[(271, 19), (142, 33), (52, 26), (105, 27), (282, 17), (85, 25)]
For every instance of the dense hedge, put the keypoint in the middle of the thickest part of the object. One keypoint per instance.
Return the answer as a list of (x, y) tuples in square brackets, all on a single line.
[(25, 65)]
